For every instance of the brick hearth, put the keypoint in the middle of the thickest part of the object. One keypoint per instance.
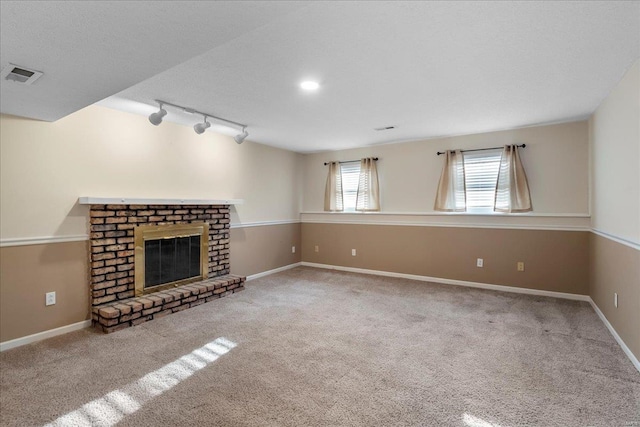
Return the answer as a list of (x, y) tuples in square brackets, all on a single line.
[(111, 317)]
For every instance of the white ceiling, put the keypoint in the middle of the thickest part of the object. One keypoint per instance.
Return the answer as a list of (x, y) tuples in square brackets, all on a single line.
[(429, 68)]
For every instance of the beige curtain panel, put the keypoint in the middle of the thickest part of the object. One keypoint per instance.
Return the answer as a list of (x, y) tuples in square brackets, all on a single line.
[(368, 197), (333, 189), (512, 189), (451, 195)]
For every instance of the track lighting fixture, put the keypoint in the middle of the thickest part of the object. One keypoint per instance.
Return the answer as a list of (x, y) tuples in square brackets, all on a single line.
[(199, 128), (156, 118), (241, 136)]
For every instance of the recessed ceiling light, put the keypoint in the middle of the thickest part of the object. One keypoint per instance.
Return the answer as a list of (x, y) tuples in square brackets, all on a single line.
[(309, 85)]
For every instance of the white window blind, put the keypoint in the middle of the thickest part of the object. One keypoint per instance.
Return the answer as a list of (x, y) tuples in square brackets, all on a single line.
[(481, 175), (350, 178)]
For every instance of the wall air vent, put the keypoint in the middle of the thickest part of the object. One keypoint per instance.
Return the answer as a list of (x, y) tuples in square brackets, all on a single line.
[(18, 74), (385, 128)]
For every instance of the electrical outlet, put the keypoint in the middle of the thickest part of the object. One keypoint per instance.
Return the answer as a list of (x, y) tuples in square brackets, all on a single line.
[(293, 249), (50, 298), (615, 299), (353, 252), (480, 263), (317, 248), (520, 266)]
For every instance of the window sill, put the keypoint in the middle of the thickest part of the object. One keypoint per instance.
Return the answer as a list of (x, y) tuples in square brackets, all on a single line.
[(433, 213), (529, 220)]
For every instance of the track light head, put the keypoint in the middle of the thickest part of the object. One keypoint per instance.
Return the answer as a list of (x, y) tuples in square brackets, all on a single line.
[(156, 118), (199, 128), (241, 136)]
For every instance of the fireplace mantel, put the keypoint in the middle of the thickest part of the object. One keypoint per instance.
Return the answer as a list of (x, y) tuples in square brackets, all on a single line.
[(138, 201)]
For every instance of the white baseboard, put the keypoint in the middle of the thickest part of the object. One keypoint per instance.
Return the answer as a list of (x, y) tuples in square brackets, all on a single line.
[(622, 344), (634, 360), (501, 288), (627, 351), (44, 335), (275, 270)]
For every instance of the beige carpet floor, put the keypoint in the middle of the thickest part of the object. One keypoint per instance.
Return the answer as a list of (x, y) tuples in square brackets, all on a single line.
[(312, 347)]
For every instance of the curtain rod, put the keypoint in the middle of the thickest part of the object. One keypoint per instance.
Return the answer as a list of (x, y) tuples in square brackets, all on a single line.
[(478, 149), (350, 161)]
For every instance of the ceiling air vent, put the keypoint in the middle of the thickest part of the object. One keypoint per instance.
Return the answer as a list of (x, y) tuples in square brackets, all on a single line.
[(385, 128), (20, 75)]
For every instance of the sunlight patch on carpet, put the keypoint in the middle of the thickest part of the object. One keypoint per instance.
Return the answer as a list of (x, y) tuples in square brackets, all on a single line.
[(472, 421), (114, 406)]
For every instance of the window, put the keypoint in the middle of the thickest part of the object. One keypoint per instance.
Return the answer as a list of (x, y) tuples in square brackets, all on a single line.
[(494, 181), (352, 186), (481, 175), (350, 177)]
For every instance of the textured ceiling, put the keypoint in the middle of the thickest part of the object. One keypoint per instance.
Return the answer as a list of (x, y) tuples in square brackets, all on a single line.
[(429, 68), (89, 50)]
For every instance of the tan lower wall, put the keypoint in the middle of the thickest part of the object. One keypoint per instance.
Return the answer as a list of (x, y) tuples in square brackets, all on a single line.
[(264, 248), (28, 272), (615, 267), (554, 260)]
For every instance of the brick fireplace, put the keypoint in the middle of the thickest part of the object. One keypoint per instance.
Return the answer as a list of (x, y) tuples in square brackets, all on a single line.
[(113, 256)]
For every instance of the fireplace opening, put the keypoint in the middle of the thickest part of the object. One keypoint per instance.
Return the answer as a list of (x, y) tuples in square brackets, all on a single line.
[(170, 255), (170, 260)]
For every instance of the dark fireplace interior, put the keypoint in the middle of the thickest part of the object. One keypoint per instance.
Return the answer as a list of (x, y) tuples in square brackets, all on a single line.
[(171, 259)]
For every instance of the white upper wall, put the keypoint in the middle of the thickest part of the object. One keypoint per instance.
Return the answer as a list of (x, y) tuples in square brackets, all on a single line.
[(45, 167), (555, 160), (615, 159)]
